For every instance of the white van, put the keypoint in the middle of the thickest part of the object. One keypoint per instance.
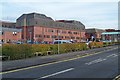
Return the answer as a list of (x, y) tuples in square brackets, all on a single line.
[(61, 41)]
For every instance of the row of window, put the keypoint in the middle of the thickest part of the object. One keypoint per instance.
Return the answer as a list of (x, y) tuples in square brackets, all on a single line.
[(59, 31), (13, 26), (14, 33), (48, 36), (51, 24)]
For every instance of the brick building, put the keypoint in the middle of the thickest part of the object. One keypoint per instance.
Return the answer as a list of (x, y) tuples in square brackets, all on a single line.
[(9, 33), (40, 28), (95, 33)]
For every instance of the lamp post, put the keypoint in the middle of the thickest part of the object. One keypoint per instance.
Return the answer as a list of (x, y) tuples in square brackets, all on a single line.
[(30, 33), (58, 41), (30, 37), (52, 37)]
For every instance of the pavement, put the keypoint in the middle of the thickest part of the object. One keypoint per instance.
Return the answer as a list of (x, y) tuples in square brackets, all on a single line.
[(17, 64), (103, 64)]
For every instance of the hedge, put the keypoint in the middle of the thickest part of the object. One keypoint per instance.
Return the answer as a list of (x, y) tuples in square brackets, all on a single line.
[(15, 51), (95, 44), (20, 51), (107, 44)]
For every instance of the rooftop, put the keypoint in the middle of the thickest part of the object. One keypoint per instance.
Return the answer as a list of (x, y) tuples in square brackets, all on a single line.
[(104, 33)]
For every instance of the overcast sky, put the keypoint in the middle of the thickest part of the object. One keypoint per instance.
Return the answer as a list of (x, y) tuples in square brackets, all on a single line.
[(102, 14)]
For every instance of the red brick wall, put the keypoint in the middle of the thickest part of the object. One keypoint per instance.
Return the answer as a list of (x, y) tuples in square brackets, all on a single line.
[(44, 31), (9, 36)]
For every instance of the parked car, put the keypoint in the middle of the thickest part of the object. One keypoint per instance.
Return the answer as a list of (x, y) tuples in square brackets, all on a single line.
[(106, 40), (19, 42), (61, 41), (1, 42)]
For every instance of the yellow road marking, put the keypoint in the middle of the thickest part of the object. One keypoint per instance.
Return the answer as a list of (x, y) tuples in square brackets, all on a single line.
[(51, 63)]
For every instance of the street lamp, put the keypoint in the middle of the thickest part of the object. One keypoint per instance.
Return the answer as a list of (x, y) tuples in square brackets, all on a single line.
[(30, 33), (58, 41), (30, 37), (52, 36)]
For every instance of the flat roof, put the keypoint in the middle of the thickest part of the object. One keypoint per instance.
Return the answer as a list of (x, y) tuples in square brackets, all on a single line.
[(110, 33)]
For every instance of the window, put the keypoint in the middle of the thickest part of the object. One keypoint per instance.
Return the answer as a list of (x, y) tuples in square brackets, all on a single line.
[(54, 36), (5, 26), (2, 33), (77, 37), (36, 22), (66, 37), (64, 32), (47, 36), (61, 36), (74, 32), (72, 37), (38, 35), (69, 32), (50, 30), (58, 31)]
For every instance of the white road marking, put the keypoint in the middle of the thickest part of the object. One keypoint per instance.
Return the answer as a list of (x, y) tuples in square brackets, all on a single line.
[(112, 55), (58, 73), (95, 61), (102, 59)]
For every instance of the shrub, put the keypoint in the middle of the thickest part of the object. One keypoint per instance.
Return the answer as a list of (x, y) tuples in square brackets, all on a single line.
[(107, 43), (43, 48), (17, 51), (20, 51), (98, 44), (116, 43), (95, 44)]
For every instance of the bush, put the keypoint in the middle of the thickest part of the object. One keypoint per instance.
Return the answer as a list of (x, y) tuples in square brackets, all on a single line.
[(95, 44), (20, 51), (17, 51), (98, 44), (107, 43)]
